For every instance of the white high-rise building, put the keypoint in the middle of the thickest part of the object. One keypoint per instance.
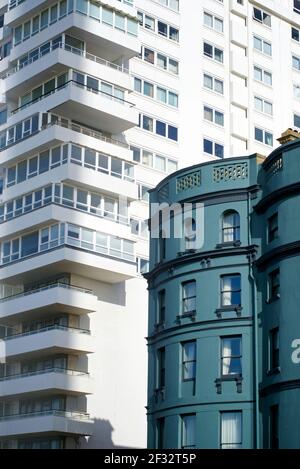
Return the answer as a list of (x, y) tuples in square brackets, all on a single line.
[(99, 101)]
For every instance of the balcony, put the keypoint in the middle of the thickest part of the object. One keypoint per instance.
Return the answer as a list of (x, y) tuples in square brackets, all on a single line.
[(59, 56), (72, 423), (105, 257), (62, 131), (56, 339), (46, 381), (112, 114), (53, 297), (115, 43)]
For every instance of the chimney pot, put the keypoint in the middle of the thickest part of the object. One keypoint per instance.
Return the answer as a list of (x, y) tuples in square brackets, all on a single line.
[(288, 136)]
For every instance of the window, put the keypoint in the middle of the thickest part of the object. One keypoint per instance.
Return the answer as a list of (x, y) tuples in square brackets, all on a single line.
[(188, 433), (212, 115), (213, 22), (297, 120), (212, 83), (189, 233), (274, 349), (262, 105), (274, 285), (297, 6), (213, 148), (161, 246), (273, 227), (160, 60), (296, 91), (274, 427), (231, 290), (189, 360), (295, 34), (160, 431), (231, 360), (188, 297), (212, 52), (161, 317), (296, 63), (230, 226), (160, 128), (261, 16), (262, 46), (263, 136), (263, 75), (231, 430), (161, 375)]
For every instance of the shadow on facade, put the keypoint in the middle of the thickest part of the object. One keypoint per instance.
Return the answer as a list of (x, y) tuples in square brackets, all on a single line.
[(101, 438)]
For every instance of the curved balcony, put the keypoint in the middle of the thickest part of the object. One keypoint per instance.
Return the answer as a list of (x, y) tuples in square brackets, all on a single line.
[(70, 382), (61, 55), (54, 338), (61, 131), (73, 423), (112, 114), (113, 41), (103, 257), (53, 297)]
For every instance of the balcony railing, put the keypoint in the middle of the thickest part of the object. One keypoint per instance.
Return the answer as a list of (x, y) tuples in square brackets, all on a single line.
[(64, 371), (66, 47), (46, 287), (55, 413), (73, 83), (57, 327), (85, 131)]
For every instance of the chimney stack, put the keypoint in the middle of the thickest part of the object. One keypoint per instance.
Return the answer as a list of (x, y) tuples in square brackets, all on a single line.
[(288, 136)]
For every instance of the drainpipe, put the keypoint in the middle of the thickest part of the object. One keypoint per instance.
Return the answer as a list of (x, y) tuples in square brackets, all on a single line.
[(255, 344)]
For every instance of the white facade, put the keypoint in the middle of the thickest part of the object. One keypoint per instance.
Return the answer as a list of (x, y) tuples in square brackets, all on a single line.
[(94, 111)]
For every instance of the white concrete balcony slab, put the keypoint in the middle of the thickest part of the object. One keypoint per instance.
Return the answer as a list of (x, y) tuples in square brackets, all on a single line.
[(112, 114), (24, 8), (86, 177), (54, 339), (58, 297), (60, 56), (54, 134), (70, 259), (72, 423), (113, 42), (46, 381), (55, 212)]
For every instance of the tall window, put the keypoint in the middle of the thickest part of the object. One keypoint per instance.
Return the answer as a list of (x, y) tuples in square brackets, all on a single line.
[(274, 285), (188, 433), (161, 369), (160, 431), (231, 430), (274, 427), (274, 348), (189, 233), (230, 226), (189, 360), (161, 317), (273, 227), (161, 246), (231, 290), (231, 360), (189, 297)]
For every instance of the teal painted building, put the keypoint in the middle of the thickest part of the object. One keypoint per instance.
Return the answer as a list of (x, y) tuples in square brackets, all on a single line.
[(224, 305)]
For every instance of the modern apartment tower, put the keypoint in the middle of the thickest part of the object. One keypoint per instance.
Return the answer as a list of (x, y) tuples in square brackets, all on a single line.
[(100, 100), (224, 350)]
